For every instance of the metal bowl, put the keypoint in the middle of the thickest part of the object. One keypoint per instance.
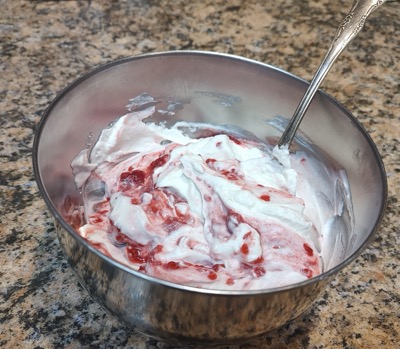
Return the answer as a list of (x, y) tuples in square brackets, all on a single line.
[(221, 89)]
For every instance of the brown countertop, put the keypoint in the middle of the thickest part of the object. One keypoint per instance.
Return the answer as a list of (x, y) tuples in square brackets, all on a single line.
[(45, 45)]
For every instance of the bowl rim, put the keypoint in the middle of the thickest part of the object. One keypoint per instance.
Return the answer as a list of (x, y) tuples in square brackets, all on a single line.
[(59, 219)]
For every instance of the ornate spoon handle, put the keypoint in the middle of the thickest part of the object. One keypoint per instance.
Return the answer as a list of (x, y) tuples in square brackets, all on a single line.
[(347, 30)]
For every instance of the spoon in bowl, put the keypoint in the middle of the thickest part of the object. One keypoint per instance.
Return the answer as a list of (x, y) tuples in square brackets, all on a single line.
[(347, 30)]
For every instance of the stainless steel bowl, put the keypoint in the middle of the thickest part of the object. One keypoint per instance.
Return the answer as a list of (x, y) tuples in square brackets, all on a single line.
[(216, 88)]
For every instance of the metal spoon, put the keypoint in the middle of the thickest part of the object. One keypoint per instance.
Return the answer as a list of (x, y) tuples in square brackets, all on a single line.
[(347, 30)]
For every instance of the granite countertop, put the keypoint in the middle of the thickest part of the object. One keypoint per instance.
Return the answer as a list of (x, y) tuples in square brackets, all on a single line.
[(45, 45)]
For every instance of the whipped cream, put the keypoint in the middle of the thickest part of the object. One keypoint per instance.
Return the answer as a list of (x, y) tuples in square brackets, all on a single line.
[(219, 210)]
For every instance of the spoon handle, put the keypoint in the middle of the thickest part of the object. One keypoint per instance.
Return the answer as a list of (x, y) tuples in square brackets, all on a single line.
[(347, 30)]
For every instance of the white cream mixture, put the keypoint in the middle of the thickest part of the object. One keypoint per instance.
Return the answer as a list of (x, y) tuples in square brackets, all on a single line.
[(217, 212)]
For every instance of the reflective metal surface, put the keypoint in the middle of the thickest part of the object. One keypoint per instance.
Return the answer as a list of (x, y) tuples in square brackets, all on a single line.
[(212, 88), (347, 31)]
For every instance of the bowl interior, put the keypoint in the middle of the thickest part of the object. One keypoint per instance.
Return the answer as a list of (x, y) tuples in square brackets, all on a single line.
[(212, 88)]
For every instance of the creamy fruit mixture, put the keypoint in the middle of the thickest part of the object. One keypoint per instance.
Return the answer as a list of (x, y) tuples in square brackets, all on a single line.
[(217, 210)]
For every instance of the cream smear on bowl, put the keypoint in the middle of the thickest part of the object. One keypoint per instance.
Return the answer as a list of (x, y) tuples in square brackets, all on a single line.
[(205, 205)]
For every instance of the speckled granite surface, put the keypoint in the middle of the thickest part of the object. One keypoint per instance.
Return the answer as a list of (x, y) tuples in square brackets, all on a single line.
[(47, 44)]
